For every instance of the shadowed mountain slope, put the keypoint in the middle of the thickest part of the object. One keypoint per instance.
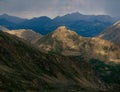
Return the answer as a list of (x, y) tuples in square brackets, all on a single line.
[(24, 68)]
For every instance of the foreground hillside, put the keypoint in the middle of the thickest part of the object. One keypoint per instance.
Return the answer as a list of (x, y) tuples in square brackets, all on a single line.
[(23, 68)]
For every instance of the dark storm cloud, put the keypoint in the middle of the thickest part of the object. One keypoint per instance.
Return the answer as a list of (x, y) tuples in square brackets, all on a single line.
[(52, 8)]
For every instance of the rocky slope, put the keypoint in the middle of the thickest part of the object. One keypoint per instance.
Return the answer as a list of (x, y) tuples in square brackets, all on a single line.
[(112, 33), (69, 43), (24, 68), (28, 35)]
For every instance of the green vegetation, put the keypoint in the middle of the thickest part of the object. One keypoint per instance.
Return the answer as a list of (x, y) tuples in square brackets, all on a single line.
[(108, 72), (105, 48)]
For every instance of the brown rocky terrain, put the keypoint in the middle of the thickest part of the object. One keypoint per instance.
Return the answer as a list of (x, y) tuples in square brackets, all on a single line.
[(69, 43)]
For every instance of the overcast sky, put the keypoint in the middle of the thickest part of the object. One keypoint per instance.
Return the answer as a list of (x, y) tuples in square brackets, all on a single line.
[(52, 8)]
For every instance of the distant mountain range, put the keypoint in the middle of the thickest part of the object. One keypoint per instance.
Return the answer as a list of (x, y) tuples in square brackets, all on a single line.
[(85, 25), (12, 19)]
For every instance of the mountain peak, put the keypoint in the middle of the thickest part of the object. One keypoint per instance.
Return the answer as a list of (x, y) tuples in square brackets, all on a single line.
[(76, 13), (62, 28), (5, 14), (62, 32), (60, 40)]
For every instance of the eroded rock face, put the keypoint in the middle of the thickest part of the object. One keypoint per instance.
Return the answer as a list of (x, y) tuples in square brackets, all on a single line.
[(112, 34), (69, 43)]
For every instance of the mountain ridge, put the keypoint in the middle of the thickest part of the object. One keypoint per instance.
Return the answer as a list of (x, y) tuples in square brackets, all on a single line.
[(78, 16), (86, 25), (11, 18), (28, 35)]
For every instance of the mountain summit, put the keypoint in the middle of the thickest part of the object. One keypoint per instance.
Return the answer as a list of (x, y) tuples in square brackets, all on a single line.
[(62, 33), (61, 40)]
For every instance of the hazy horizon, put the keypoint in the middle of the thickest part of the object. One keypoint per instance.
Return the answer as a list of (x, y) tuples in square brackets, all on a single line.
[(49, 16), (53, 8)]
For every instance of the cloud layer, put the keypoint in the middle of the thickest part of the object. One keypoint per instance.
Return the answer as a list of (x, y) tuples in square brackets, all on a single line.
[(52, 8)]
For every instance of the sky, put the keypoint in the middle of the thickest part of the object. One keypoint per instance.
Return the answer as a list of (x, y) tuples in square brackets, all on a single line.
[(53, 8)]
